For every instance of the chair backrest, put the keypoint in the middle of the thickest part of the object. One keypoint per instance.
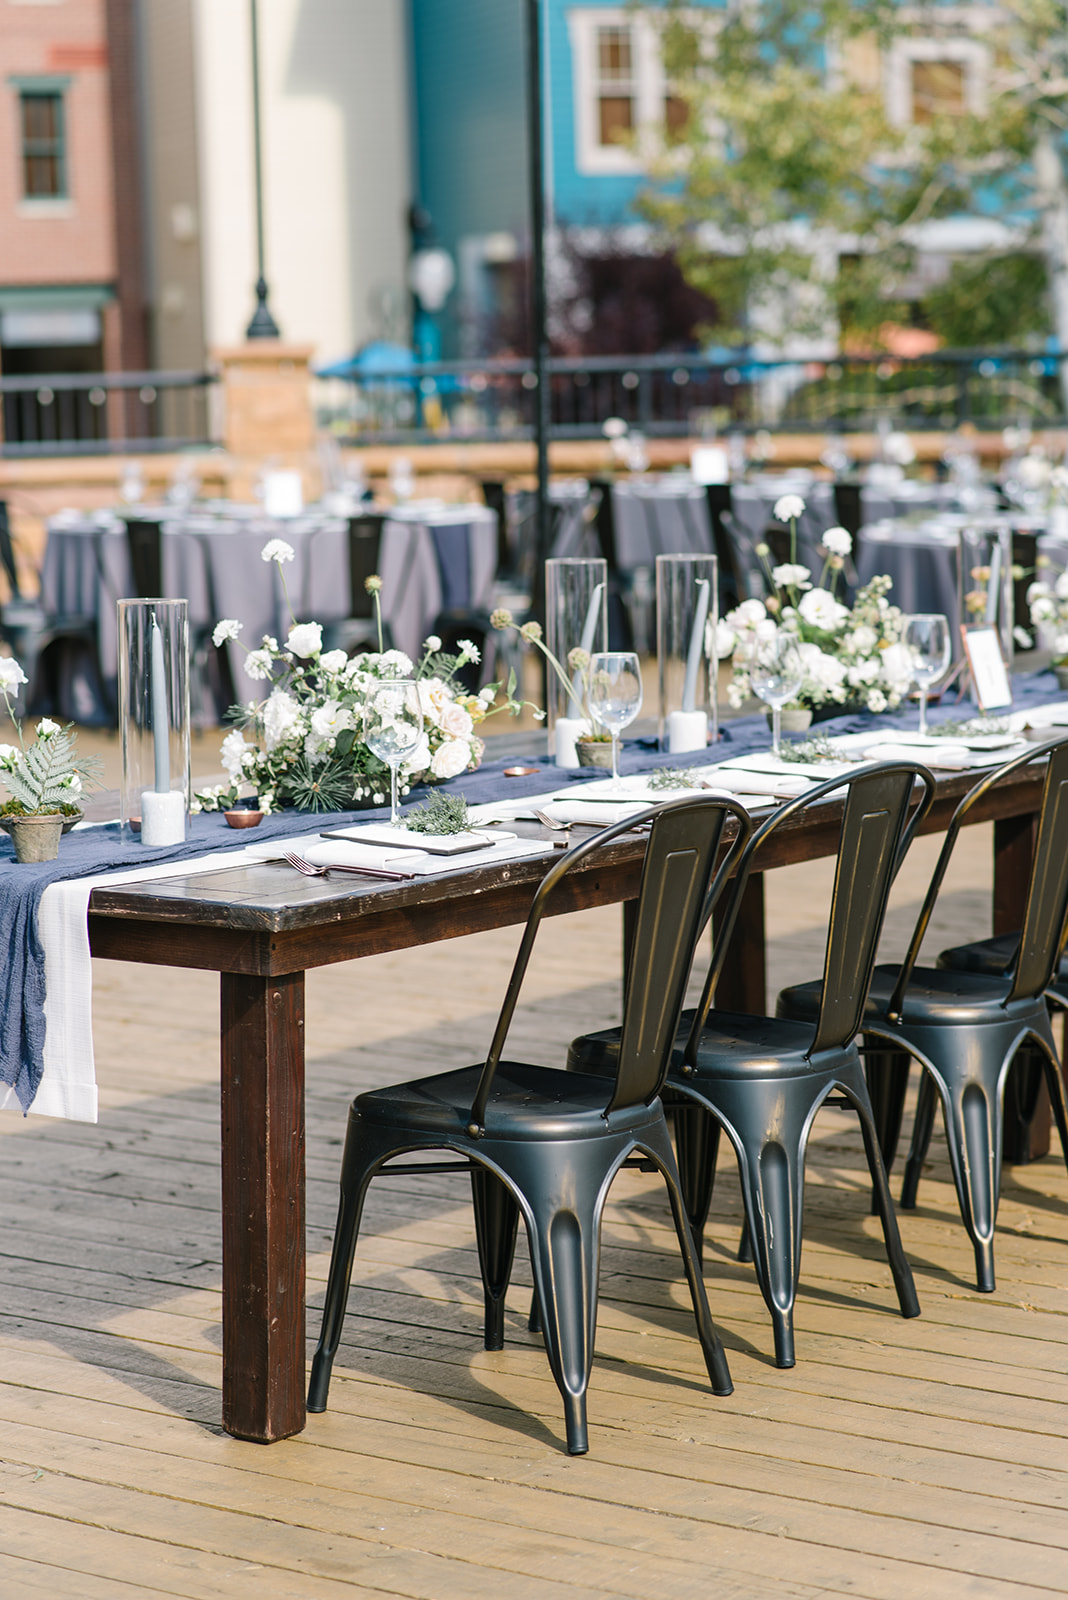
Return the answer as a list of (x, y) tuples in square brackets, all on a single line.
[(676, 892), (495, 498), (876, 831), (144, 541), (1046, 908), (848, 507), (365, 538), (732, 588), (7, 553)]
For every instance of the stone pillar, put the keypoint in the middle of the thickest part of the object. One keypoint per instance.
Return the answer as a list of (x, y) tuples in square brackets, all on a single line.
[(267, 409)]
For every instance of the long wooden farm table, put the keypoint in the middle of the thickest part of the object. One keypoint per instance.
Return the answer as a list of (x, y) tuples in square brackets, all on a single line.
[(261, 928)]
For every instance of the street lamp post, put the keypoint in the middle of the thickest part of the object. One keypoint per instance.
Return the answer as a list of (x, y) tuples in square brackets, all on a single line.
[(263, 325), (539, 335)]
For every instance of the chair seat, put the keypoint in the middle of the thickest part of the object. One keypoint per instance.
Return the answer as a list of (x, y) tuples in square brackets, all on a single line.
[(934, 996), (737, 1044), (990, 956), (526, 1102)]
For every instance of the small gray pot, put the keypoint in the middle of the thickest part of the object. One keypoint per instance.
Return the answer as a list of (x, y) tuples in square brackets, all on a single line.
[(34, 838), (595, 753)]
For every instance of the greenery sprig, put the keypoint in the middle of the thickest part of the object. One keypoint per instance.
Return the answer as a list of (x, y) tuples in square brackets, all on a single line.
[(441, 814)]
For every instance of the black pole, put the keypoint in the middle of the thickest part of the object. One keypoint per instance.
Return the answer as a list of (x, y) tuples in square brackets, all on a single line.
[(263, 325), (539, 336)]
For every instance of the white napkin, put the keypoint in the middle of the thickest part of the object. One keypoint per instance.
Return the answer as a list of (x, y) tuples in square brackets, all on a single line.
[(412, 863)]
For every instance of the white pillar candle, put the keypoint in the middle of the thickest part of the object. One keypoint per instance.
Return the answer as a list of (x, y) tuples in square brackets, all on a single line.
[(686, 730), (161, 727), (566, 732), (162, 817)]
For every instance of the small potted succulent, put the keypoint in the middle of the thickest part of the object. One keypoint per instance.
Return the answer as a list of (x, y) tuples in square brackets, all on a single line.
[(593, 744), (44, 780)]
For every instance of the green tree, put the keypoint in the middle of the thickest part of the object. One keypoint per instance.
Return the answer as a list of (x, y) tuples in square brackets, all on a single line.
[(790, 186)]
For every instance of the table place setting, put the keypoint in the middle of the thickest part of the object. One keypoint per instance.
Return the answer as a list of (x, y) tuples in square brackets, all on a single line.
[(345, 851)]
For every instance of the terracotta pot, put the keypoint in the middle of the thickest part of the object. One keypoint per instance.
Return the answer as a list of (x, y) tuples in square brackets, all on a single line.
[(595, 753), (35, 838)]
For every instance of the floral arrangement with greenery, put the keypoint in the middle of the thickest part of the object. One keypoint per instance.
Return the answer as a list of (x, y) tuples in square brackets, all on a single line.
[(579, 661), (302, 746), (46, 778), (850, 655), (1048, 605)]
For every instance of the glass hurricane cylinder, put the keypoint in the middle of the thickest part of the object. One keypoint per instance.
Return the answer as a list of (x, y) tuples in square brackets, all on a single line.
[(984, 582), (687, 607), (576, 615), (154, 720)]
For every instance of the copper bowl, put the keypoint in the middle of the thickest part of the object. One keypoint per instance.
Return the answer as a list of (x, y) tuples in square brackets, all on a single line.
[(243, 818)]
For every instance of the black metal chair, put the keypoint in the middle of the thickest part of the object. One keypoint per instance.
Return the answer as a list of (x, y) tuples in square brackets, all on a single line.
[(966, 1023), (763, 1079), (546, 1143)]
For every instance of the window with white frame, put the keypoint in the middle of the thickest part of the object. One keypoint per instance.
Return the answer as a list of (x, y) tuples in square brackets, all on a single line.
[(935, 76), (620, 89)]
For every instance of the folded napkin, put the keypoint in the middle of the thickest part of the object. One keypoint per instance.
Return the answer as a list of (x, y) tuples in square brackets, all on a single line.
[(947, 756), (804, 773), (348, 855)]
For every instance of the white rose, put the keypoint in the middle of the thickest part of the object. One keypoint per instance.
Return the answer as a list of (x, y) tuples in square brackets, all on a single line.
[(456, 722), (232, 754), (837, 542), (788, 508), (328, 720), (1043, 609), (306, 639), (11, 674), (726, 639), (825, 671), (450, 759), (863, 672), (419, 759), (281, 718), (821, 610), (333, 661), (747, 615), (896, 661), (1060, 588), (46, 728), (791, 575)]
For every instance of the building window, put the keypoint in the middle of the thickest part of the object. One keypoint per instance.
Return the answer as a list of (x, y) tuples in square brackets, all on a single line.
[(616, 86), (938, 89), (44, 174), (622, 98)]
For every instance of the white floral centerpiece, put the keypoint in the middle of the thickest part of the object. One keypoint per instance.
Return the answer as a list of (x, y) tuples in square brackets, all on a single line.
[(302, 745), (851, 655), (1048, 605)]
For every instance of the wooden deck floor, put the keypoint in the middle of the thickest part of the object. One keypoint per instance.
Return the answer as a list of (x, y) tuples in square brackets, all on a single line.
[(923, 1458)]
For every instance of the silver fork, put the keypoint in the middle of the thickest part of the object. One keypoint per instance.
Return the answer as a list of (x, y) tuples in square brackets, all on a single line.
[(310, 870), (550, 822)]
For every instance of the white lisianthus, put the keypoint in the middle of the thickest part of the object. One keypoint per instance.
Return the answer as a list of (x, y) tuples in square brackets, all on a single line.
[(306, 639), (281, 718), (277, 550), (469, 652), (862, 673), (747, 615), (788, 508), (333, 661), (450, 758), (821, 610), (11, 674), (394, 663), (432, 644), (896, 662), (726, 640), (791, 575), (419, 759), (328, 720), (9, 757), (229, 628), (456, 722), (46, 728), (1060, 588), (258, 665), (233, 752), (1043, 609), (825, 672), (837, 541)]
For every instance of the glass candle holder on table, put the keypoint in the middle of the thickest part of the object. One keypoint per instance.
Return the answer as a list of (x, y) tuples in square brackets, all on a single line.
[(154, 725), (984, 582), (686, 615), (576, 616)]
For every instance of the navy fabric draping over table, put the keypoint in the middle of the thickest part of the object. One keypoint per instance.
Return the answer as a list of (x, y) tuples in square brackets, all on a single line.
[(93, 851)]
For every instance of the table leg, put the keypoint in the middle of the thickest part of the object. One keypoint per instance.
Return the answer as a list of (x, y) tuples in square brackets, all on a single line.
[(1023, 1139), (263, 1205), (743, 980)]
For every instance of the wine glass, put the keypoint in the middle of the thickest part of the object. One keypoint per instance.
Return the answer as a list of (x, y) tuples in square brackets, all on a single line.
[(776, 674), (392, 728), (615, 695), (926, 638)]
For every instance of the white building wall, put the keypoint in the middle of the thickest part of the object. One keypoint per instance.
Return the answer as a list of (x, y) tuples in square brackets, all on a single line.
[(334, 94)]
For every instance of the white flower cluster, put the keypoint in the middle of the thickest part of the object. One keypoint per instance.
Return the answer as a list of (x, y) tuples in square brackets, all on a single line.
[(1048, 605)]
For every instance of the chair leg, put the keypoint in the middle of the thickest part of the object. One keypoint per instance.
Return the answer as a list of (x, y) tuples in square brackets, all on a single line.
[(773, 1190), (922, 1128), (887, 1074), (883, 1204), (357, 1169), (496, 1225), (1055, 1085), (697, 1148), (714, 1353)]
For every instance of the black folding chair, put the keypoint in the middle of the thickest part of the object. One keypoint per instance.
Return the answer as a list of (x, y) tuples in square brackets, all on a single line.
[(548, 1143)]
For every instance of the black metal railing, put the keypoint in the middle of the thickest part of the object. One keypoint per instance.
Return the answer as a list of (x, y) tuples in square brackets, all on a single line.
[(679, 395), (104, 413)]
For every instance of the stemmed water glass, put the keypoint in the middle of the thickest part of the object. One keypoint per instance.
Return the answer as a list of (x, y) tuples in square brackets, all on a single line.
[(776, 674), (615, 694), (926, 637), (392, 728)]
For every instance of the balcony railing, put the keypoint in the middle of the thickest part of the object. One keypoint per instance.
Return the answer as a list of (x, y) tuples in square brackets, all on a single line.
[(679, 395), (105, 413)]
